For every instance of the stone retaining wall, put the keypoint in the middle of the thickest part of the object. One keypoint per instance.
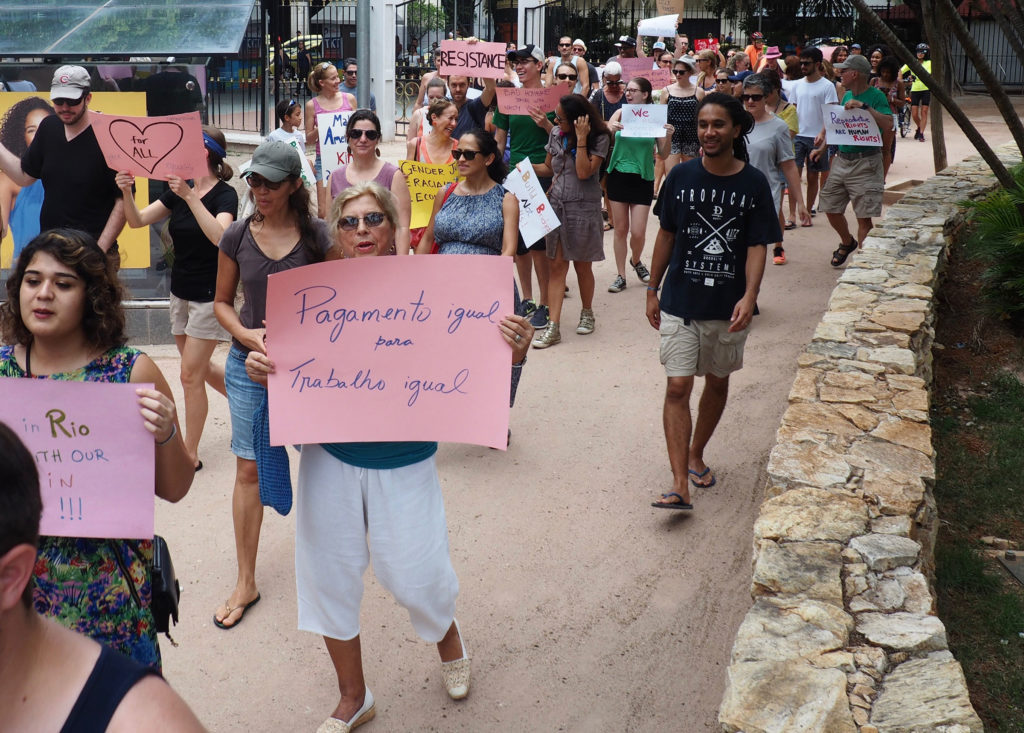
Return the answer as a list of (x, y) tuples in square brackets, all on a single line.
[(843, 634)]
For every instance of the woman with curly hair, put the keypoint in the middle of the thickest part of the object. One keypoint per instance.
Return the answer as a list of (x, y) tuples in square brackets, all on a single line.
[(19, 207), (63, 320)]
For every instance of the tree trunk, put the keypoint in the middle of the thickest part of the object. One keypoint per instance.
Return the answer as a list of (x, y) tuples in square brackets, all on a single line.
[(939, 43), (940, 94), (1001, 14)]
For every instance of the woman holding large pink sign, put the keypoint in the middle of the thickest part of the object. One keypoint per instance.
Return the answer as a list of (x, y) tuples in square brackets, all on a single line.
[(358, 501), (63, 320)]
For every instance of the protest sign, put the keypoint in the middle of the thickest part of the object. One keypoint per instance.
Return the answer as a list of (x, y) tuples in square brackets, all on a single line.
[(486, 60), (705, 44), (332, 128), (644, 120), (307, 175), (418, 359), (518, 101), (94, 455), (424, 181), (635, 67), (850, 126), (536, 217), (664, 7), (659, 78), (663, 25), (152, 147)]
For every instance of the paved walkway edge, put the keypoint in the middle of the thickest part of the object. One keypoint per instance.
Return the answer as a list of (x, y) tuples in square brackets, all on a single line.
[(842, 635)]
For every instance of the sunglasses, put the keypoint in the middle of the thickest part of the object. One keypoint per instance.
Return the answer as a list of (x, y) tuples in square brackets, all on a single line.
[(751, 97), (563, 45), (373, 220), (351, 73), (680, 72), (564, 77), (65, 102), (469, 154), (370, 134), (614, 83), (806, 63), (258, 181)]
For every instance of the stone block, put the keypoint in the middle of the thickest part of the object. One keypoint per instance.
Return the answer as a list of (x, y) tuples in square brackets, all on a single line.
[(860, 416), (906, 433), (797, 570), (894, 358), (777, 629), (806, 461), (902, 631), (927, 694), (805, 386), (898, 525), (819, 417), (886, 551), (805, 514)]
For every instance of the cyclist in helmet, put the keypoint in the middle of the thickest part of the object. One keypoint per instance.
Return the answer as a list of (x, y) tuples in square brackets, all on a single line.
[(920, 97)]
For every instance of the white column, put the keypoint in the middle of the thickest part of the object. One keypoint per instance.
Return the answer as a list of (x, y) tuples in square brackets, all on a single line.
[(382, 63)]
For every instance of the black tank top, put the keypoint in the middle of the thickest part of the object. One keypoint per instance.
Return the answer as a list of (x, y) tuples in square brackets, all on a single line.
[(111, 678)]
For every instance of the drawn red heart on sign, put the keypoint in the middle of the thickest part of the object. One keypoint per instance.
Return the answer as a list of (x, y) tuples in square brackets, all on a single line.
[(148, 146)]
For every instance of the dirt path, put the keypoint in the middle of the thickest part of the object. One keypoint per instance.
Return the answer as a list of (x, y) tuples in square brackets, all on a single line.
[(583, 608)]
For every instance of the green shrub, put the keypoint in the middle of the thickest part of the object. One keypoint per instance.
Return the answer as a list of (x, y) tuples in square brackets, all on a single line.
[(998, 241)]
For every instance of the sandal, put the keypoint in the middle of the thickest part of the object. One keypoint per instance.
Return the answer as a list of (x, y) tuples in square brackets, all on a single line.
[(607, 227), (842, 252), (790, 225)]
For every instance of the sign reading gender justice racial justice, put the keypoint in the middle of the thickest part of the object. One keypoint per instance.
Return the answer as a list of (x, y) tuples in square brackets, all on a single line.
[(332, 128), (152, 147), (536, 217), (94, 455), (424, 181), (420, 358), (462, 58), (644, 120), (519, 101), (850, 126)]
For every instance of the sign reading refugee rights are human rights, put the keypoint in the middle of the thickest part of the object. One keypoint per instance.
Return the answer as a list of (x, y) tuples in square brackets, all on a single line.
[(390, 348)]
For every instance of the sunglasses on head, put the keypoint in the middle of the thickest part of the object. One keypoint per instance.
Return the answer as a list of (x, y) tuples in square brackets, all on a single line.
[(565, 77), (257, 181), (370, 134), (351, 223), (65, 102), (469, 154), (751, 97)]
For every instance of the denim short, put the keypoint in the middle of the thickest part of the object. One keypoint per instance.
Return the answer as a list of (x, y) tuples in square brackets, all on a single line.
[(244, 396), (803, 146), (318, 167)]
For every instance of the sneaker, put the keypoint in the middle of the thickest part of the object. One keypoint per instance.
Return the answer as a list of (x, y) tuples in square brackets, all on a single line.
[(586, 322), (548, 337), (618, 285), (641, 271), (527, 308), (540, 319), (778, 256)]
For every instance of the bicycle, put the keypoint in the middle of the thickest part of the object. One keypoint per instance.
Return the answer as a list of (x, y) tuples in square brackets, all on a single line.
[(905, 116)]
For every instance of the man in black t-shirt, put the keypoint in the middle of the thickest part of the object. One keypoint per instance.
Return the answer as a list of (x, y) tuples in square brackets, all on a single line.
[(717, 219), (79, 188)]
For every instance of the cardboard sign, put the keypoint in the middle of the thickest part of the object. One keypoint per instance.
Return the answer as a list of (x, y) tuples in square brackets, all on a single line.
[(424, 181), (485, 60), (331, 129), (663, 25), (664, 7), (419, 359), (536, 217), (94, 455), (659, 78), (518, 101), (153, 147), (644, 120), (850, 126), (705, 44)]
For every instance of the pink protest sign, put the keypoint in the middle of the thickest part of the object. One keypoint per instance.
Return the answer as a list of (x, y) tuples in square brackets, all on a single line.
[(152, 147), (486, 60), (703, 44), (659, 78), (390, 348), (518, 101), (635, 67), (95, 457)]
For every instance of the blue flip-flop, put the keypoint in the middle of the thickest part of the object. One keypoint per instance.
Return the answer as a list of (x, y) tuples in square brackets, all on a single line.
[(702, 474), (682, 505)]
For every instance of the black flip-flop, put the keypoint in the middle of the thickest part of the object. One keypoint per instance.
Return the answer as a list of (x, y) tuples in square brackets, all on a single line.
[(680, 505), (243, 608), (790, 225)]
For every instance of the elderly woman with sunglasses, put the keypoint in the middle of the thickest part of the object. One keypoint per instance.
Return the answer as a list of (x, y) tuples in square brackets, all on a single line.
[(279, 235), (365, 164), (379, 501), (770, 147)]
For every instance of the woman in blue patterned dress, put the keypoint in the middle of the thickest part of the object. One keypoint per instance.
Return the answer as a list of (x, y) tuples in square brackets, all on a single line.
[(63, 320), (474, 216)]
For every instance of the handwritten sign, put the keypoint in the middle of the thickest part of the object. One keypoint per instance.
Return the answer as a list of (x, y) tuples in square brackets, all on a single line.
[(635, 67), (663, 25), (419, 359), (705, 44), (95, 457), (519, 101), (659, 78), (850, 126), (152, 147), (663, 7), (644, 120), (332, 127), (307, 175), (485, 60), (424, 181), (536, 217)]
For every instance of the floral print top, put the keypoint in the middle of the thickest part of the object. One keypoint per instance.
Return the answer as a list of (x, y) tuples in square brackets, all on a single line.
[(80, 581)]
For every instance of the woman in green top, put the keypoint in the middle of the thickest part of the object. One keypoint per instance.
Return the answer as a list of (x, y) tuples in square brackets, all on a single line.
[(920, 97), (631, 185)]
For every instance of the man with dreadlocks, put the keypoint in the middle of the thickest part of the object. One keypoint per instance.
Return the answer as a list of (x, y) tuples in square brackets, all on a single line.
[(717, 220)]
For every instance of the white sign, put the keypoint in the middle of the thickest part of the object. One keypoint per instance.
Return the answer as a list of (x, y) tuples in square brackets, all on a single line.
[(536, 218), (307, 170), (644, 120), (850, 126), (663, 25), (332, 128)]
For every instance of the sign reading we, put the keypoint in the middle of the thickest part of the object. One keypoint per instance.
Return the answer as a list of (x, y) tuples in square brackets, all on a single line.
[(644, 120), (486, 60)]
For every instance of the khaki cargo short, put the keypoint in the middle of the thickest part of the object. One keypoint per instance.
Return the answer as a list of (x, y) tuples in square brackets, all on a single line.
[(860, 181), (699, 348)]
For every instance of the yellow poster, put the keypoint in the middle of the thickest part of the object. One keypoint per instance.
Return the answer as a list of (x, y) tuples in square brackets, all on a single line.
[(16, 112), (425, 181)]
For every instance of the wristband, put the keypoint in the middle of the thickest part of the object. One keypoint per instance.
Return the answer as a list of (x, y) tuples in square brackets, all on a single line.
[(655, 289), (174, 431)]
